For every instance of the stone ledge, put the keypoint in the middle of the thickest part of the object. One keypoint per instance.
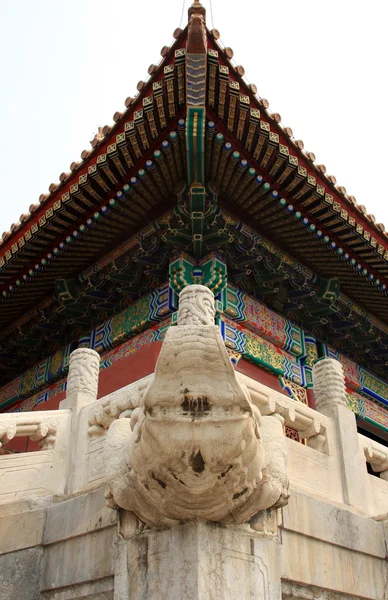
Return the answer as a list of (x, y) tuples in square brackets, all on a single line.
[(93, 590), (23, 530), (78, 560), (22, 506), (79, 515), (20, 574), (295, 591), (311, 517), (318, 563)]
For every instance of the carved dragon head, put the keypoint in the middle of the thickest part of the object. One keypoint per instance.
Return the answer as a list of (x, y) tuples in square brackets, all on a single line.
[(194, 377), (195, 450)]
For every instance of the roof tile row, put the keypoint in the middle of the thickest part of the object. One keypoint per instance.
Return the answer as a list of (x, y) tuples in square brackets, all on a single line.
[(100, 136), (103, 132)]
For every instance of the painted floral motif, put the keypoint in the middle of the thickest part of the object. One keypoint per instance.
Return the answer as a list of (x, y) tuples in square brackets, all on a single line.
[(351, 372), (376, 412), (368, 409), (135, 317), (311, 351), (261, 352), (10, 390), (28, 381), (269, 324), (374, 386)]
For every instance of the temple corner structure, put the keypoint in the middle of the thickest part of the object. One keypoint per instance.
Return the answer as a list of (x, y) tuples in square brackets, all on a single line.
[(193, 359)]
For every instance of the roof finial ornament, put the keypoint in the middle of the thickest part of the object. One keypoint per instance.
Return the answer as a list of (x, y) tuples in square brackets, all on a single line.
[(197, 9)]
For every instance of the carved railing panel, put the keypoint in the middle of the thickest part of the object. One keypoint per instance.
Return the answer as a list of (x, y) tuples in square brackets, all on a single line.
[(310, 425), (117, 405), (31, 474), (376, 455), (39, 427)]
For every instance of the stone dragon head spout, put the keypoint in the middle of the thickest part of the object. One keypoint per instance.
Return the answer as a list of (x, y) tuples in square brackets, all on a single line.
[(194, 447), (194, 376)]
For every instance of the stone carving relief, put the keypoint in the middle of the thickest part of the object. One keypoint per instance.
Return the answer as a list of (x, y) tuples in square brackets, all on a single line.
[(120, 406), (45, 433), (298, 591), (83, 372), (376, 455), (196, 446), (329, 383), (196, 307), (7, 431), (39, 429)]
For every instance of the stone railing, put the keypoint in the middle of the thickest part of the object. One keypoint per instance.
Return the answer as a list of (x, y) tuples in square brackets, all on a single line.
[(116, 405), (376, 455), (309, 464), (318, 465), (36, 426), (31, 474), (309, 424)]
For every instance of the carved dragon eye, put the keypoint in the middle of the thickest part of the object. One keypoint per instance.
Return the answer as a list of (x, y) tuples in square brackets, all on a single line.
[(159, 481), (238, 494)]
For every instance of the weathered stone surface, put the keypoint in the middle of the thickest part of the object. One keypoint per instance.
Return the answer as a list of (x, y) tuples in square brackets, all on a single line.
[(323, 549), (40, 427), (96, 590), (78, 560), (83, 372), (20, 574), (198, 561), (329, 389), (29, 475), (22, 530), (296, 591), (197, 446), (317, 563), (76, 516), (329, 383), (313, 518), (82, 386)]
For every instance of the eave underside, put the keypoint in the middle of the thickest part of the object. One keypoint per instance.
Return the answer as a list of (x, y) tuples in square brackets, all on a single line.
[(69, 271)]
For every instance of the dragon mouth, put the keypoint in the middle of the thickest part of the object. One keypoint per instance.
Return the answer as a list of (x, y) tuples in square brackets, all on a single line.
[(196, 408)]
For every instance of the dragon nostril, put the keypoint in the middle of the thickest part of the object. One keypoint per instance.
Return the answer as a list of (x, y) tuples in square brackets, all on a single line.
[(197, 463)]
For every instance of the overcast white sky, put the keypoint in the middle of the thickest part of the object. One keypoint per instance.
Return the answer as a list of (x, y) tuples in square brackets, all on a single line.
[(68, 65)]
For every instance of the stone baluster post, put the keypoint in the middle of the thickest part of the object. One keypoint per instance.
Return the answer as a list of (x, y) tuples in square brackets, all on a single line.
[(82, 386), (329, 390)]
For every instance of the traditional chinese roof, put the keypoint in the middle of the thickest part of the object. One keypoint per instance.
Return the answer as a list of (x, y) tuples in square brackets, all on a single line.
[(104, 233)]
